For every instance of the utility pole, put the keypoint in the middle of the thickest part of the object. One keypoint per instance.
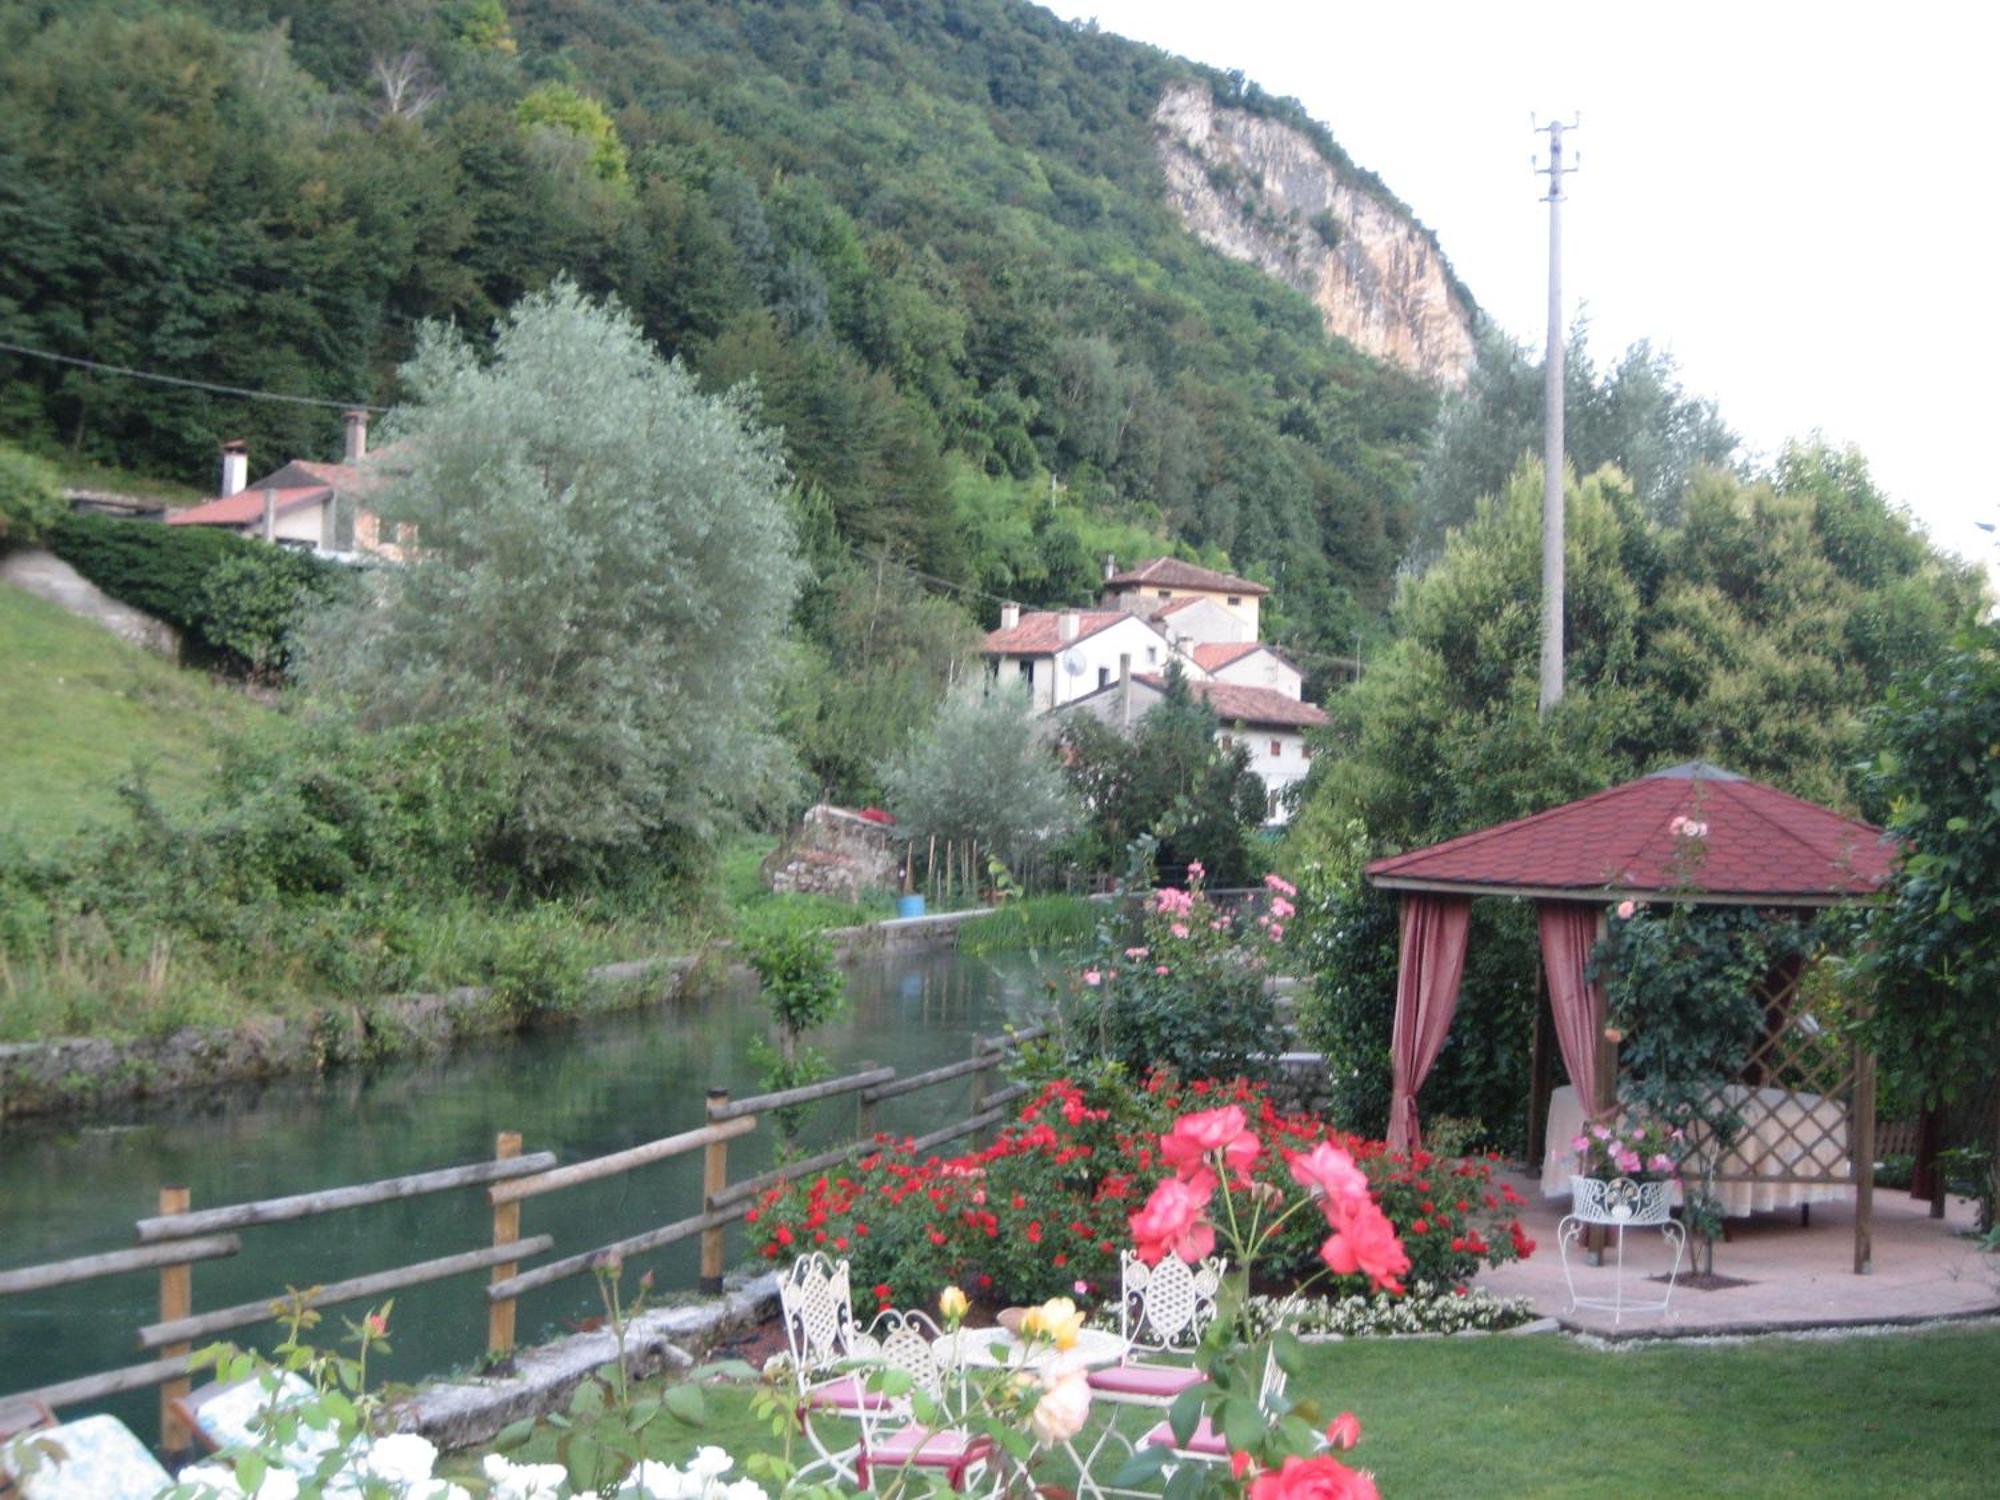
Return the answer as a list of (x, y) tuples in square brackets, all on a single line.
[(1552, 432)]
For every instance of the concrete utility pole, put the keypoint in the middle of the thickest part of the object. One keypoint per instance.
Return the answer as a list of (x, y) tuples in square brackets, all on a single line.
[(1552, 434)]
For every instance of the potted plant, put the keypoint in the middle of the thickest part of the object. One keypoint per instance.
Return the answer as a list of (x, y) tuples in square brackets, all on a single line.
[(1625, 1172)]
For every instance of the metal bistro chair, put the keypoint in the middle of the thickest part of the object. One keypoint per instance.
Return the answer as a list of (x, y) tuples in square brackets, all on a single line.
[(1207, 1446), (816, 1305), (891, 1436)]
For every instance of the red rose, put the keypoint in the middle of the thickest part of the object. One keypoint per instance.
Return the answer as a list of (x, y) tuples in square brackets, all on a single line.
[(1172, 1223), (1188, 1146), (1321, 1478)]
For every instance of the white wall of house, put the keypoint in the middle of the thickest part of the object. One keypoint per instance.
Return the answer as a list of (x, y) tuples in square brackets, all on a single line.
[(1206, 622), (1265, 670), (1278, 756), (1089, 663)]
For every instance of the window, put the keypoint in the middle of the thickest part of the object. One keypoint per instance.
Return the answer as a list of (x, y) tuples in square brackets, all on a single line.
[(1277, 749), (1271, 806), (1234, 600), (1166, 593), (1152, 656), (1104, 677), (1028, 670), (1228, 742)]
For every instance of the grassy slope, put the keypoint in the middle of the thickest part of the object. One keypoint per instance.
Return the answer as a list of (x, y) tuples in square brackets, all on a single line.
[(1903, 1414), (81, 707)]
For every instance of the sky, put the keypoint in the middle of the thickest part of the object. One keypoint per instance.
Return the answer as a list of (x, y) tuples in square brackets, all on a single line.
[(1794, 200)]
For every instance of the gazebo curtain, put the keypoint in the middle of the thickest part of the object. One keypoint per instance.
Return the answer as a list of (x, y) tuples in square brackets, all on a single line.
[(1433, 959), (1569, 933)]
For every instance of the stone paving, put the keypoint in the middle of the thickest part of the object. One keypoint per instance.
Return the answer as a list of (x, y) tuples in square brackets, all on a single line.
[(1795, 1276)]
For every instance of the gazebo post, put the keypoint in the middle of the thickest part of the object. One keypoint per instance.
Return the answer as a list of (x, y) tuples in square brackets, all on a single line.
[(1540, 1080), (1864, 1160)]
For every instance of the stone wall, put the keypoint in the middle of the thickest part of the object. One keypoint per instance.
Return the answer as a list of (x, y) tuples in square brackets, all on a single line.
[(834, 852)]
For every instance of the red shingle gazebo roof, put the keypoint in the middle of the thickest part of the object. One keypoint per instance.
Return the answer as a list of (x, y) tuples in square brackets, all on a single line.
[(1761, 846)]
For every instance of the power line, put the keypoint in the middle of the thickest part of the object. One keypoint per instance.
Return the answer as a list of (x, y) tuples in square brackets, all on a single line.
[(197, 385)]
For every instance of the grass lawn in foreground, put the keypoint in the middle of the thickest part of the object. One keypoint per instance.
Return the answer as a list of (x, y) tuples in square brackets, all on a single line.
[(1905, 1414), (81, 707)]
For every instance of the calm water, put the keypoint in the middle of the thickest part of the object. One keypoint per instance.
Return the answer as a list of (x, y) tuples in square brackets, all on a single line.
[(75, 1188)]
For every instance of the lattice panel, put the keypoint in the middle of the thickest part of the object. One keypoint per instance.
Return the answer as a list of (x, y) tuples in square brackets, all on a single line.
[(1793, 1104)]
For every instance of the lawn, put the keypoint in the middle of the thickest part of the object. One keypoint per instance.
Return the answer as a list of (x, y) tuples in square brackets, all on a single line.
[(1906, 1414), (82, 707)]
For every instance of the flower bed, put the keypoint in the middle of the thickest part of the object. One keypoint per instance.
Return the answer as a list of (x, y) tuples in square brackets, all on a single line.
[(1045, 1209), (1423, 1310)]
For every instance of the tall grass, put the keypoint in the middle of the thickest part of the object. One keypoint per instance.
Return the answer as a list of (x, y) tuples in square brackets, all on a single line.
[(1059, 924)]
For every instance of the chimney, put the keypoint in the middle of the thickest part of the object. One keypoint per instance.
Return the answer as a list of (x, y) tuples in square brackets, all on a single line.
[(1067, 624), (357, 436), (1125, 689), (1010, 615), (1110, 566), (235, 467), (270, 515)]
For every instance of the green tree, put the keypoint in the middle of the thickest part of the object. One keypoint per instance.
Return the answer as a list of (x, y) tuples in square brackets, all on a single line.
[(31, 499), (981, 772), (1933, 945), (566, 110), (606, 567)]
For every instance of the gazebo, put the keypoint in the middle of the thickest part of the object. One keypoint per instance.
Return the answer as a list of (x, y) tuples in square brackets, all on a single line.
[(1806, 1098)]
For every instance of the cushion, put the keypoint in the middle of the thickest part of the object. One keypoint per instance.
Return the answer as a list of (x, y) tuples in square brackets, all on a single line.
[(1147, 1382), (923, 1448), (1206, 1440), (848, 1393), (93, 1458)]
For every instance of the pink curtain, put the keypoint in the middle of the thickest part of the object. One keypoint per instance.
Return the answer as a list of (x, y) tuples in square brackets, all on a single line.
[(1433, 959), (1569, 932)]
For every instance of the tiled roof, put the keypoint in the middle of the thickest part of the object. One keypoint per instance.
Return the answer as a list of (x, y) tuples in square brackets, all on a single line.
[(1212, 656), (1172, 573), (1236, 704), (246, 506), (1040, 632), (1759, 842)]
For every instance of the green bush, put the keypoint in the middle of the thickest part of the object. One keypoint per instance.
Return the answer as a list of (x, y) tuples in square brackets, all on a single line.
[(236, 601), (538, 971), (30, 498)]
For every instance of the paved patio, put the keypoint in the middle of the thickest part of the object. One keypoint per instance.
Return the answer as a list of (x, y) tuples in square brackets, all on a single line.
[(1797, 1277)]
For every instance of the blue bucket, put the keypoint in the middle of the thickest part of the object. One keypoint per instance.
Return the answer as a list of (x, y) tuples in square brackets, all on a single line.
[(909, 906)]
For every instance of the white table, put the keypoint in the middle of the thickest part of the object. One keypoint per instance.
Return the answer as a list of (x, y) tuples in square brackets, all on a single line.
[(1768, 1149), (997, 1349)]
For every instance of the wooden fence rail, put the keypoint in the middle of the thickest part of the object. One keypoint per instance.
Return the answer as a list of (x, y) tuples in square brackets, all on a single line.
[(178, 1237)]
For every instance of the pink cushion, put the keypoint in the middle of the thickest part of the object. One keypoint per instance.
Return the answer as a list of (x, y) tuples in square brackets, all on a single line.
[(920, 1447), (1205, 1439), (1155, 1382), (846, 1394)]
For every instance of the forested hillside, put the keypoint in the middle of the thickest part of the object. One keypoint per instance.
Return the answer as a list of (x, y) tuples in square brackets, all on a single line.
[(934, 232)]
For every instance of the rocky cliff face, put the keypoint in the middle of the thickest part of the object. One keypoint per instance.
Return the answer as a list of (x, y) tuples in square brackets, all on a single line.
[(1259, 191)]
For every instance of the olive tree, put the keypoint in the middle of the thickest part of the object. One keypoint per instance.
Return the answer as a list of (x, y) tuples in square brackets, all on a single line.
[(601, 563)]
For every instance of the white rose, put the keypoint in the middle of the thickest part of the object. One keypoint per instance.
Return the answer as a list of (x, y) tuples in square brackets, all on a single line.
[(401, 1458), (745, 1489), (710, 1461), (653, 1480), (512, 1481), (1063, 1409)]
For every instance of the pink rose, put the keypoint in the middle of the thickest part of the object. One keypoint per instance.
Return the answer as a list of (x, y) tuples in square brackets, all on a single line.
[(1626, 908), (1321, 1478), (1159, 968), (1179, 929), (1196, 869), (1171, 1223), (1277, 930), (1092, 978), (1330, 1172), (1187, 1147), (1135, 952), (1344, 1431), (1366, 1241)]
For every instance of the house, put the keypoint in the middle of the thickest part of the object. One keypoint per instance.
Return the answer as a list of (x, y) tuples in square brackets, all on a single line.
[(1271, 724), (1249, 664), (1152, 587), (1200, 619), (1064, 654), (317, 507)]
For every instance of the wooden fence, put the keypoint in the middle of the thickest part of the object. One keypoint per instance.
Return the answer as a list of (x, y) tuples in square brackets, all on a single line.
[(180, 1236)]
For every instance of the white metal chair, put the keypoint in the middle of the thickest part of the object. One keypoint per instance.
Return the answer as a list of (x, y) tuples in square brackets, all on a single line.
[(1162, 1311), (816, 1306), (891, 1436), (1205, 1445)]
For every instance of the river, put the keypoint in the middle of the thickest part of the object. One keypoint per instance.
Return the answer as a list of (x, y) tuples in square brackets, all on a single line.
[(74, 1187)]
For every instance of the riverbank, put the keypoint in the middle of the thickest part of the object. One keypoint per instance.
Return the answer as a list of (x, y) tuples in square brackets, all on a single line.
[(66, 1075)]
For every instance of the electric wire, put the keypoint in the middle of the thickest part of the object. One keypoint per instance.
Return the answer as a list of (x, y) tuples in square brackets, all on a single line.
[(198, 385)]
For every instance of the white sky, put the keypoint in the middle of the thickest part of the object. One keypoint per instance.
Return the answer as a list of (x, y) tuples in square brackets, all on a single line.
[(1785, 196)]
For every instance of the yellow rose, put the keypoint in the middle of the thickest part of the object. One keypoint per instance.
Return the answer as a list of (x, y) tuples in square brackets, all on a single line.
[(1057, 1320), (952, 1304)]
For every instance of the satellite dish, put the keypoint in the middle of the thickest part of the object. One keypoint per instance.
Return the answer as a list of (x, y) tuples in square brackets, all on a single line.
[(1073, 663)]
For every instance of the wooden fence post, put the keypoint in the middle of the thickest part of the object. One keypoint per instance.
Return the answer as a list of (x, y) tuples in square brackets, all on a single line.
[(506, 1230), (864, 1114), (714, 1178), (978, 1076), (176, 1301), (1863, 1155)]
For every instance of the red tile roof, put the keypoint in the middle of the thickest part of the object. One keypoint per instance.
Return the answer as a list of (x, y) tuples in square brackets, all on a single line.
[(1172, 573), (1236, 704), (246, 506), (1760, 842), (1214, 656), (1040, 631)]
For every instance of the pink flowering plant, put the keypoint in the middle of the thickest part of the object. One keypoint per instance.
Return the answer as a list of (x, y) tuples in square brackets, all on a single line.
[(1215, 1200), (1644, 1150), (1177, 982)]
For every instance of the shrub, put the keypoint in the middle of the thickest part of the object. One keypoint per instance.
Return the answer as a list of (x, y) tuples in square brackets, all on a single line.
[(1182, 989), (31, 499), (1045, 1209), (538, 970)]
